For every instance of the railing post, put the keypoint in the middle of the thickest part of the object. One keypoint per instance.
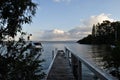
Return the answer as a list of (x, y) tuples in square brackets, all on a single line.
[(76, 67), (67, 53), (56, 50), (52, 54), (79, 70), (76, 64)]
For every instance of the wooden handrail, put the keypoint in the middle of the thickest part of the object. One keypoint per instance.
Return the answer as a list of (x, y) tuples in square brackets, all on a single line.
[(53, 58), (94, 68)]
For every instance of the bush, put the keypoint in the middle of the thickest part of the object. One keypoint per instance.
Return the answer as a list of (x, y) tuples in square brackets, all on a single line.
[(20, 62)]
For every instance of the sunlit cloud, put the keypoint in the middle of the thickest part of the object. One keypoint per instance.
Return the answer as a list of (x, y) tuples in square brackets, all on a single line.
[(97, 18), (55, 34), (58, 1), (76, 33), (87, 24)]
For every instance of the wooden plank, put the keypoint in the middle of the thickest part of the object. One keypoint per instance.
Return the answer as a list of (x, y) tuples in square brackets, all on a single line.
[(60, 69)]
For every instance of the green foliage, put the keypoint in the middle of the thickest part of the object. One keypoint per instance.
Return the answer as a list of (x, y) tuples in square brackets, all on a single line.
[(86, 40), (105, 33), (108, 58), (20, 62), (18, 59), (112, 61), (13, 14)]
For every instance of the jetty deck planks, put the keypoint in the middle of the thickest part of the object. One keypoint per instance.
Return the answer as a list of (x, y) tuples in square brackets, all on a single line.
[(60, 69)]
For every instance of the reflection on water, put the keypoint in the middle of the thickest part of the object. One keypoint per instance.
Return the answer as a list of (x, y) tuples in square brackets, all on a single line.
[(100, 54), (108, 59), (97, 54)]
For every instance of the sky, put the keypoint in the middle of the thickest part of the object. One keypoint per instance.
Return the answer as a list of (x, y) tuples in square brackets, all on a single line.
[(70, 19)]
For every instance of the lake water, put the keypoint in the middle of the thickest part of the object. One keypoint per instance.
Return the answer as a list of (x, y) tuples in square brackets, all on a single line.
[(93, 52), (48, 47)]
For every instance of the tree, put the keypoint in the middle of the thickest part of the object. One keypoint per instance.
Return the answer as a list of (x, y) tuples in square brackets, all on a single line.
[(116, 29), (104, 33), (111, 61), (20, 62), (13, 14), (18, 59), (94, 31)]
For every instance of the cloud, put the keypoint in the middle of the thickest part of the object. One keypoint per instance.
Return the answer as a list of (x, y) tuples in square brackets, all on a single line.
[(85, 27), (79, 32), (95, 19), (54, 34), (58, 1), (76, 33)]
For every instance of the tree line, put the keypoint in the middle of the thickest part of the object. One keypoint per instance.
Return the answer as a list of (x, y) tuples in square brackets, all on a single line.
[(103, 33), (107, 33)]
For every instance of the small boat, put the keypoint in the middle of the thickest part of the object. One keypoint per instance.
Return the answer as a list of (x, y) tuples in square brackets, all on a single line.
[(112, 46)]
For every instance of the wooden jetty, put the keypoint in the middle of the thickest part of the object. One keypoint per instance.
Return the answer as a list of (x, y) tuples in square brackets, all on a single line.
[(66, 65), (60, 69)]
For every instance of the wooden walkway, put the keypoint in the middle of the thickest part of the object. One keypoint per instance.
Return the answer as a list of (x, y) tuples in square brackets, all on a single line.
[(60, 69)]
